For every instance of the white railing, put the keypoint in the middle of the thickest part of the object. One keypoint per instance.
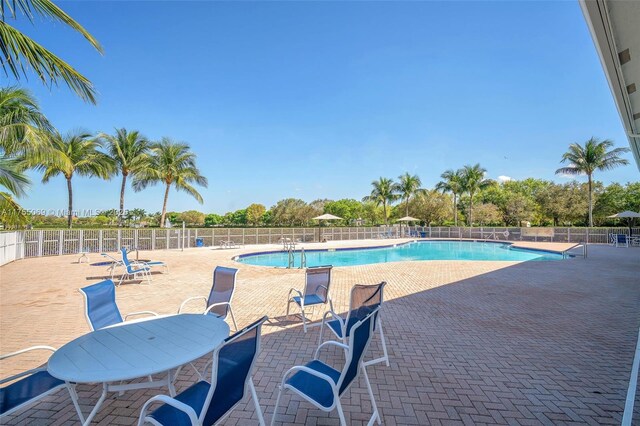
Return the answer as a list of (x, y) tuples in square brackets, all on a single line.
[(36, 243)]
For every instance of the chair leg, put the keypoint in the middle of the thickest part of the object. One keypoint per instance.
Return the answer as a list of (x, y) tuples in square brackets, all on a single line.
[(343, 421), (321, 330), (384, 343), (256, 402), (304, 319), (376, 415), (233, 319), (275, 409)]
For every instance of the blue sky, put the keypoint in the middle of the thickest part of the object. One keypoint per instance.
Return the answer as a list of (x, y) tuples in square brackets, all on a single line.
[(315, 100)]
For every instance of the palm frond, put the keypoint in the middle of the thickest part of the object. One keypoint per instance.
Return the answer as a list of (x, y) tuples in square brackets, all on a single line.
[(47, 9), (21, 53), (11, 178)]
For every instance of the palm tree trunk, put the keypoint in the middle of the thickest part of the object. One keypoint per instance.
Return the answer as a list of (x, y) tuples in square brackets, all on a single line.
[(455, 209), (590, 202), (164, 206), (470, 209), (407, 202), (70, 212), (384, 210), (122, 188)]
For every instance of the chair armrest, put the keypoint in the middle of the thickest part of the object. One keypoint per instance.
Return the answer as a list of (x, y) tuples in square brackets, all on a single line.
[(214, 305), (190, 299), (310, 371), (141, 313), (332, 343), (297, 291), (193, 416), (25, 373), (335, 316), (32, 348)]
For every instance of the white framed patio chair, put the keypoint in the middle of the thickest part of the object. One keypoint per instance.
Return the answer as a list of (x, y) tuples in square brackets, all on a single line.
[(364, 299), (100, 305), (621, 240), (323, 385), (149, 263), (219, 300), (28, 387), (134, 269), (316, 291), (207, 403)]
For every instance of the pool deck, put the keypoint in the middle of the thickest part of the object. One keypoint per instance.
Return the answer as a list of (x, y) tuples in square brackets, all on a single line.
[(470, 342)]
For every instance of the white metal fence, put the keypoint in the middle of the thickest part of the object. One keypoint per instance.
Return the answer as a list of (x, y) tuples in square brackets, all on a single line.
[(35, 243)]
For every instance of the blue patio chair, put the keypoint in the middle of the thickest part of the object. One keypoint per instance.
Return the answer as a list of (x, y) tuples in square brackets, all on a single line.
[(149, 263), (219, 300), (134, 269), (322, 385), (101, 309), (316, 291), (621, 240), (206, 403), (364, 299), (26, 387)]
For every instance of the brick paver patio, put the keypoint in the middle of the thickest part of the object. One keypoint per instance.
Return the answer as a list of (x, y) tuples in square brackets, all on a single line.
[(470, 342)]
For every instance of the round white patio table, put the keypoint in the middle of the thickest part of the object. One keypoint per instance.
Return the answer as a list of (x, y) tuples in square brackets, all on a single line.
[(133, 350)]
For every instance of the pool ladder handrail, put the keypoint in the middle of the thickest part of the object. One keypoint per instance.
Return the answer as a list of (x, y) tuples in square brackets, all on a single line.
[(303, 258), (291, 262)]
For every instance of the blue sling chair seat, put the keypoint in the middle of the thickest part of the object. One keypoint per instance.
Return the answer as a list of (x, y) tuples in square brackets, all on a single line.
[(27, 387), (323, 385), (363, 300), (316, 291), (206, 403)]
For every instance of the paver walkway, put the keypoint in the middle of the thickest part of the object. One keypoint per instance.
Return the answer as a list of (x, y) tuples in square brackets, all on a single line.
[(470, 342)]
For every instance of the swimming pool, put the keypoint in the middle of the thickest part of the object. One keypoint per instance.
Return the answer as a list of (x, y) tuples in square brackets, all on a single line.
[(417, 250)]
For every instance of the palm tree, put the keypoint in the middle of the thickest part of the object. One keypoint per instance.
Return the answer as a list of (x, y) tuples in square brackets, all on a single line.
[(473, 180), (22, 131), (22, 126), (451, 182), (21, 53), (407, 188), (585, 160), (74, 154), (171, 163), (130, 153), (383, 193)]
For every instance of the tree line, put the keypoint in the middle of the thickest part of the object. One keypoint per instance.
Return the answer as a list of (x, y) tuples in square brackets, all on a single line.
[(511, 203)]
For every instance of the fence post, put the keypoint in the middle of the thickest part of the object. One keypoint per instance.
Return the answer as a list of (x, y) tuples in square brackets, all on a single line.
[(81, 241), (242, 236), (60, 242), (568, 235)]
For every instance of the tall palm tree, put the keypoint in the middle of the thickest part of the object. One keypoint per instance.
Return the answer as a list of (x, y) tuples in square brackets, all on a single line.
[(173, 164), (74, 154), (21, 53), (452, 182), (130, 153), (473, 180), (585, 160), (407, 187), (382, 194)]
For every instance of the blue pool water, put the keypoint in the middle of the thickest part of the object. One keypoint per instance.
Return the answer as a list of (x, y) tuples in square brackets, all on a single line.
[(419, 250)]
